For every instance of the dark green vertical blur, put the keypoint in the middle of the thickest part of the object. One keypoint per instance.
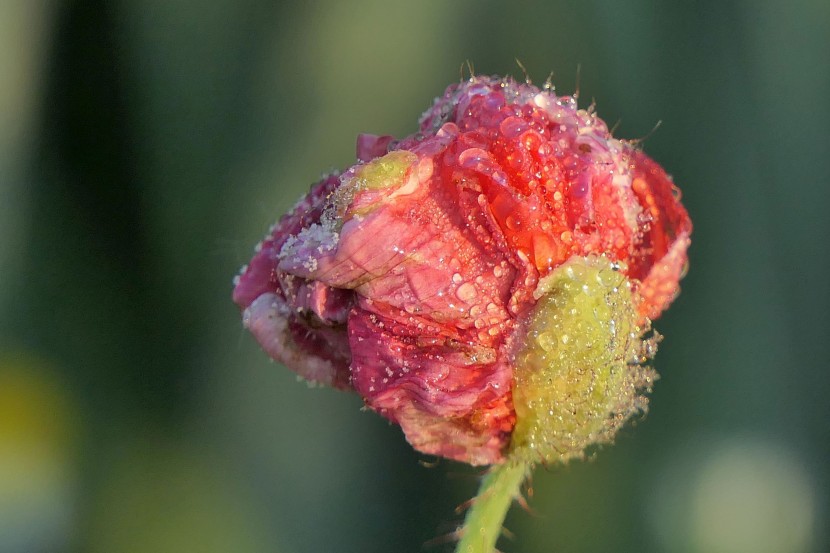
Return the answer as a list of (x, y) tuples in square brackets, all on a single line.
[(146, 146)]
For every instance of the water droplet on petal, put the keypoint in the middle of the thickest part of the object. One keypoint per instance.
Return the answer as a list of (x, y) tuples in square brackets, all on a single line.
[(512, 127), (466, 292)]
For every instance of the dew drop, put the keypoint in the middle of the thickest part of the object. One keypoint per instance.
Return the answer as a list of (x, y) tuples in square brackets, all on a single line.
[(466, 292), (477, 160), (546, 341), (607, 277), (513, 223), (512, 127)]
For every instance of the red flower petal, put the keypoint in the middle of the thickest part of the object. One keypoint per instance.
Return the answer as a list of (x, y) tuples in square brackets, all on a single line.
[(659, 260), (450, 396), (299, 322), (411, 277)]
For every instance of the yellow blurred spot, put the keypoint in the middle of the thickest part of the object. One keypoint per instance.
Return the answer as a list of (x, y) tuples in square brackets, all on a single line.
[(35, 410), (38, 442)]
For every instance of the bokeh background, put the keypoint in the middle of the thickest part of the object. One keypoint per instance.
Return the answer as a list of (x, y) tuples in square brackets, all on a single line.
[(146, 146)]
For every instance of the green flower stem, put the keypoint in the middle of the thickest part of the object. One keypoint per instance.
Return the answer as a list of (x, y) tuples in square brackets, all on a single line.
[(483, 524)]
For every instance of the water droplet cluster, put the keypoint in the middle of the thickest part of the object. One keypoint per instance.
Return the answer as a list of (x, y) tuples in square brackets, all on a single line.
[(553, 178), (579, 376), (501, 264)]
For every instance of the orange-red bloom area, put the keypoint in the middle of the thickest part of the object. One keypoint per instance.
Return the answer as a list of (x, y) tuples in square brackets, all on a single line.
[(409, 277)]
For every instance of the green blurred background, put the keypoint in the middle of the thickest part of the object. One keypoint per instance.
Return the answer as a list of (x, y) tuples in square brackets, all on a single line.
[(146, 146)]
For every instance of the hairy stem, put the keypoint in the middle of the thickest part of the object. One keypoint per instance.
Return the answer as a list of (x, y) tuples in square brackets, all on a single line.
[(484, 520)]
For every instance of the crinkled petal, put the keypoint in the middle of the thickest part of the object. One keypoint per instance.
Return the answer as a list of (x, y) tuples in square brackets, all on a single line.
[(413, 275), (318, 355), (431, 252), (260, 274), (451, 398), (660, 259), (298, 322), (370, 146)]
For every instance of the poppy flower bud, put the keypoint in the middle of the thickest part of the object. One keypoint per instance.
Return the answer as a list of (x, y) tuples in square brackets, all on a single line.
[(487, 283)]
